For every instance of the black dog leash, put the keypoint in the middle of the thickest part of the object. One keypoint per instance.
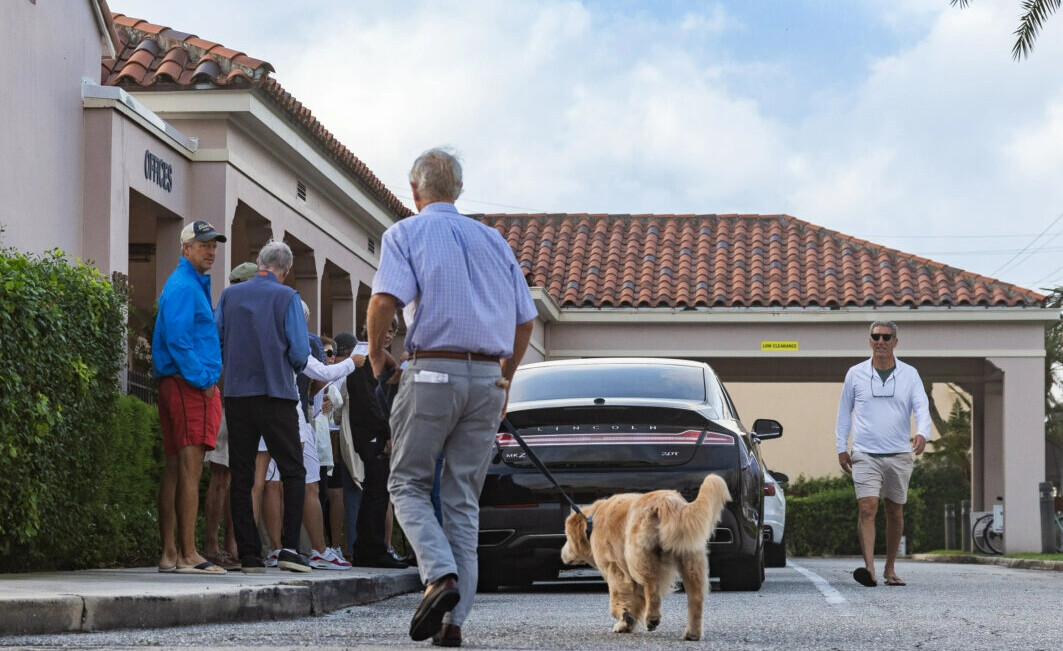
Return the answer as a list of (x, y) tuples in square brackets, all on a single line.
[(385, 405), (542, 468)]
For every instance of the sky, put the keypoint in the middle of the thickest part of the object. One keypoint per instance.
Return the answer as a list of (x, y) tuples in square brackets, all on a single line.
[(906, 123)]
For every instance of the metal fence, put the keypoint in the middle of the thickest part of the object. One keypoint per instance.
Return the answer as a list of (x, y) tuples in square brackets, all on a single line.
[(140, 385)]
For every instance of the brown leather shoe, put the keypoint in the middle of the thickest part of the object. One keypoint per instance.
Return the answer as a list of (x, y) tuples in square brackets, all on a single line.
[(449, 635), (440, 599)]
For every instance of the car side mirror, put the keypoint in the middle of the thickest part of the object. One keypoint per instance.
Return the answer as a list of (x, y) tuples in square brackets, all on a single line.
[(766, 428), (780, 477)]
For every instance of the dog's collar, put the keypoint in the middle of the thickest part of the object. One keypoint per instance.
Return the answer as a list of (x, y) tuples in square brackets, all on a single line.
[(590, 526)]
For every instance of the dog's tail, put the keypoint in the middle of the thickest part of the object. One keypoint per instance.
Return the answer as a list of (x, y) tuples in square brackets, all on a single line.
[(691, 525)]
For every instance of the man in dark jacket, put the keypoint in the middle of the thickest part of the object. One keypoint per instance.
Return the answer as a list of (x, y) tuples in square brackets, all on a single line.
[(372, 442), (264, 344)]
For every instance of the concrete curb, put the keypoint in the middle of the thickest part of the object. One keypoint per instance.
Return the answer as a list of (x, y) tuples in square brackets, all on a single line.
[(1018, 563), (98, 600)]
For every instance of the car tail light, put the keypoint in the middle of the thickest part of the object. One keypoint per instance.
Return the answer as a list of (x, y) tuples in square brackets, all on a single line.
[(769, 490)]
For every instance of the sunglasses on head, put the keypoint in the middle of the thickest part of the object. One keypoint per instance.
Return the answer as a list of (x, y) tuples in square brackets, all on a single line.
[(884, 337)]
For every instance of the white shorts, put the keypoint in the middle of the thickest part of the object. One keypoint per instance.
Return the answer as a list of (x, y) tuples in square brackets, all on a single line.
[(882, 475), (220, 453), (310, 460)]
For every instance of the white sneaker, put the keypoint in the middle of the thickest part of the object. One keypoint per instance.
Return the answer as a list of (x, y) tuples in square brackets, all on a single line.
[(327, 560), (338, 559), (271, 560), (338, 553)]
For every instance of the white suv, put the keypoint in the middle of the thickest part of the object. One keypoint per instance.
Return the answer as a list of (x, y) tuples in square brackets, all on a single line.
[(774, 519)]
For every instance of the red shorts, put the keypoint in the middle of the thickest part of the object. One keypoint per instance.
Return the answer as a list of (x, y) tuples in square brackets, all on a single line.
[(187, 417)]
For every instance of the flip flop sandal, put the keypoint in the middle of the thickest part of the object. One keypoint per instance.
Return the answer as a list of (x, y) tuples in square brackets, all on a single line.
[(864, 578), (206, 567)]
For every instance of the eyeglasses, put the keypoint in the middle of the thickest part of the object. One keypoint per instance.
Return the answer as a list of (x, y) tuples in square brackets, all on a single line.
[(884, 389), (330, 353), (875, 336)]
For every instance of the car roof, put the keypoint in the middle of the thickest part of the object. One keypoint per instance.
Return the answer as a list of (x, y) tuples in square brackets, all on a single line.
[(593, 361)]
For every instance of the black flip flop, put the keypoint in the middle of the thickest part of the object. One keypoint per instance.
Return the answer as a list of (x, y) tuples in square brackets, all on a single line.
[(864, 578)]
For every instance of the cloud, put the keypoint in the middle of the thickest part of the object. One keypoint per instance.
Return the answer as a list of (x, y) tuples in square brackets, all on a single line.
[(905, 123)]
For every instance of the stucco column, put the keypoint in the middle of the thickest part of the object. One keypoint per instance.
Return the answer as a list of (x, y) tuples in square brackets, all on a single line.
[(210, 201), (978, 436), (1024, 450), (991, 453), (104, 223)]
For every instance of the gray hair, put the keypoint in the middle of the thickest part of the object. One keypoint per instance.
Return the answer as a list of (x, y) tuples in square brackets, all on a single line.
[(275, 256), (884, 324), (437, 175)]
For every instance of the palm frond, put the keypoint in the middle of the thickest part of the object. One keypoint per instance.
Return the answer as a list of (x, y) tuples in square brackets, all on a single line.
[(1035, 13)]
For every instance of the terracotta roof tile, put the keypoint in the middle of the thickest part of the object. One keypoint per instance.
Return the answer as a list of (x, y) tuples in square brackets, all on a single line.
[(679, 261), (155, 57)]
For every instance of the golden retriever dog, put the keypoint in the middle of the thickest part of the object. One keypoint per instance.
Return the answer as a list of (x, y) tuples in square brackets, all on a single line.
[(641, 542)]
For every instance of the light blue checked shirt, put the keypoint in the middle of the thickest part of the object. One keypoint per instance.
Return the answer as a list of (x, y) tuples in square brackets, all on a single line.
[(469, 288)]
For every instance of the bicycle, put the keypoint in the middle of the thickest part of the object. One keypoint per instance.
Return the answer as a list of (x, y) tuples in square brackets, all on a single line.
[(987, 533)]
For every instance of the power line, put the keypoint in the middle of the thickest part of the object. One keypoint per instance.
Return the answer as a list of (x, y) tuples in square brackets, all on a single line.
[(1049, 275), (1032, 242), (992, 236), (988, 251)]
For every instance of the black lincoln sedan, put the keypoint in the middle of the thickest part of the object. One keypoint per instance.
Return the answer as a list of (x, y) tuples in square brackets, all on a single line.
[(607, 426)]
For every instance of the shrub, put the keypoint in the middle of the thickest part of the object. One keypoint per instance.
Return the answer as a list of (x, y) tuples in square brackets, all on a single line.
[(940, 482), (62, 328), (124, 523), (805, 486), (824, 522)]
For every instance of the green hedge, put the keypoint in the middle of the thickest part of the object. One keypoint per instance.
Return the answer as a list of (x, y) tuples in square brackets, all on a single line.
[(824, 523), (123, 528), (941, 483), (821, 511), (78, 475)]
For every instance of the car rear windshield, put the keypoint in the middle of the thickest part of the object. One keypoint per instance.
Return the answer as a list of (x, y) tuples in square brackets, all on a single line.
[(609, 381)]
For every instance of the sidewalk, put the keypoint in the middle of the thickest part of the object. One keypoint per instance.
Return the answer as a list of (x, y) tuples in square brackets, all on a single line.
[(96, 600), (978, 559)]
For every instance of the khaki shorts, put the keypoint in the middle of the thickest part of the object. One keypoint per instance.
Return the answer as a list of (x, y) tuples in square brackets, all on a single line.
[(882, 476)]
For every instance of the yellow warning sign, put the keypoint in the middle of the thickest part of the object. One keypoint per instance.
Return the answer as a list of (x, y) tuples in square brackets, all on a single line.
[(778, 345)]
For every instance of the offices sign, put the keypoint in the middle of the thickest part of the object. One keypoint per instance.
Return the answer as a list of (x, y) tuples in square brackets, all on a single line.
[(158, 171)]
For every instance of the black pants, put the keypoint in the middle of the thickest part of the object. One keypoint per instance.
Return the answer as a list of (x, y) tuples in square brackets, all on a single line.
[(370, 544), (275, 420)]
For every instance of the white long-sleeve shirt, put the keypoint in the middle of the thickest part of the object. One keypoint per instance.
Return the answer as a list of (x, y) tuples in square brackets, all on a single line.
[(877, 413), (315, 370)]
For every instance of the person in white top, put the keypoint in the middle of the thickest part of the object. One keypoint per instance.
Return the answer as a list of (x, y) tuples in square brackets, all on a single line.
[(879, 399)]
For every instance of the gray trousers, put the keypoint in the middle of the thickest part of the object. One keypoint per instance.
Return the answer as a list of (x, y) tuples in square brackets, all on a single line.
[(450, 408)]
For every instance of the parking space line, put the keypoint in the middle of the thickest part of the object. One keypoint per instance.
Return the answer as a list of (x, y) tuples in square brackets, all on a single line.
[(833, 597)]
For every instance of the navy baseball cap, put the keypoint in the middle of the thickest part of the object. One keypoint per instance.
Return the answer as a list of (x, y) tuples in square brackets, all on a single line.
[(202, 231)]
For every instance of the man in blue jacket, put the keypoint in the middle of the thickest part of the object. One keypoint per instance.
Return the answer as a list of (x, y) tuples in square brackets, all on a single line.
[(186, 356), (265, 344)]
